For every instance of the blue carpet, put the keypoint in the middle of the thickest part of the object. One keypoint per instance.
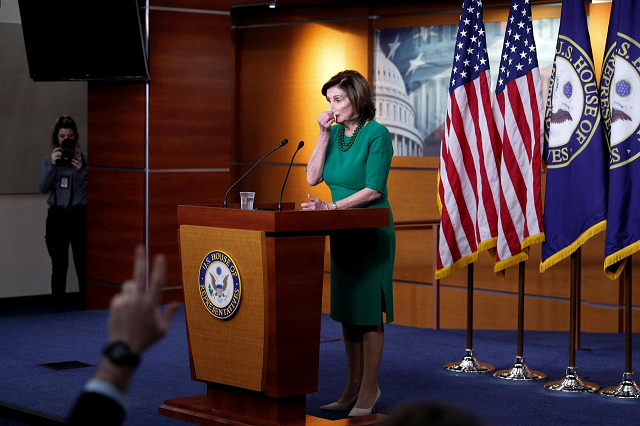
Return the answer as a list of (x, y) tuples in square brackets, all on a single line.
[(411, 371)]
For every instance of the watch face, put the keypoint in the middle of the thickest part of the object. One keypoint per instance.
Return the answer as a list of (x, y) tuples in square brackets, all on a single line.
[(120, 353)]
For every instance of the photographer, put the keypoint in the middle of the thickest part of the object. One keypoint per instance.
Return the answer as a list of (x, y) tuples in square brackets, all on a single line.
[(64, 174)]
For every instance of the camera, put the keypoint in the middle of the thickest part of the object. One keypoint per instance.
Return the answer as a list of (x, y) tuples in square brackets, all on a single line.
[(68, 148)]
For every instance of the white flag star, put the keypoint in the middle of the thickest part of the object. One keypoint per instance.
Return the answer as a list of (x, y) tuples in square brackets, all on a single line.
[(415, 63), (394, 46)]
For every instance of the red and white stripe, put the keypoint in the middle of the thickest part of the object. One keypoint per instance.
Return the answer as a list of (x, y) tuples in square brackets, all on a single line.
[(518, 113), (468, 188)]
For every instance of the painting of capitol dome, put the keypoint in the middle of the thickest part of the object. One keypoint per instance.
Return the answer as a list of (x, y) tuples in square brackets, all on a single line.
[(412, 68)]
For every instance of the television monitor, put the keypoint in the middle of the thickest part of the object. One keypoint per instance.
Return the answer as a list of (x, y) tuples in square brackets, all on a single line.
[(69, 40)]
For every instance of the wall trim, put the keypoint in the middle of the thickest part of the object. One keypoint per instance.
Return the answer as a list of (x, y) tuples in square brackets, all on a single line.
[(184, 10)]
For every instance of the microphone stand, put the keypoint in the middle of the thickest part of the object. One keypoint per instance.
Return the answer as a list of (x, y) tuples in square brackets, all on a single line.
[(300, 145), (280, 145)]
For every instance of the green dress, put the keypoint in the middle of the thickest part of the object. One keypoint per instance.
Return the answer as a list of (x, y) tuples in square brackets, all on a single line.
[(362, 259)]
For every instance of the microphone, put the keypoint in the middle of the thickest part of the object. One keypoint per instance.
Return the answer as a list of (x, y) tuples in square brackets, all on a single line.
[(280, 145), (300, 145)]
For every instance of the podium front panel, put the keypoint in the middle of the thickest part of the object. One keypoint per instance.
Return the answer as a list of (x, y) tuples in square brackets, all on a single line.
[(230, 351)]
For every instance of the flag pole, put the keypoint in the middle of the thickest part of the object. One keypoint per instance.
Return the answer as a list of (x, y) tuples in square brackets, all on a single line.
[(519, 370), (627, 387), (578, 299), (469, 363), (571, 382)]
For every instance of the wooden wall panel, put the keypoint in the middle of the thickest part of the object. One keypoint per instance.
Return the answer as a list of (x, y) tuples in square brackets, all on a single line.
[(266, 181), (189, 128), (116, 125), (412, 194), (413, 304), (99, 295), (598, 27), (280, 73), (414, 248), (599, 319), (166, 192), (499, 311), (116, 223), (189, 96)]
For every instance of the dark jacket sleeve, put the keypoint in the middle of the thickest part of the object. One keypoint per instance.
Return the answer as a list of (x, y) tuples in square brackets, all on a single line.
[(96, 409), (47, 175)]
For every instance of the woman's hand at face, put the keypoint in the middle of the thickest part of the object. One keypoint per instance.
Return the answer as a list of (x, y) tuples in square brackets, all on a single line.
[(314, 204), (325, 120), (77, 161), (56, 155)]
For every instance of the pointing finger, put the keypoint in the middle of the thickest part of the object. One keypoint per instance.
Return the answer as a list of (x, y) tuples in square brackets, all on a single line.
[(139, 267), (158, 274)]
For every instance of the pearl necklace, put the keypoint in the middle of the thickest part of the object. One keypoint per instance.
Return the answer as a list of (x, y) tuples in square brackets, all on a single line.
[(344, 147)]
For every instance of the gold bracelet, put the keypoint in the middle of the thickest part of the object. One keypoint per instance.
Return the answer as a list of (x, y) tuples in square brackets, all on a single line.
[(326, 206)]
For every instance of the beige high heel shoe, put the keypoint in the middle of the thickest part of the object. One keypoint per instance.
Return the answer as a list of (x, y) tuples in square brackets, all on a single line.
[(340, 406), (358, 412)]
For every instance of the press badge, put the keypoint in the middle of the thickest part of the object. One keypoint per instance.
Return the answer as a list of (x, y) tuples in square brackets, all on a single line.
[(64, 182)]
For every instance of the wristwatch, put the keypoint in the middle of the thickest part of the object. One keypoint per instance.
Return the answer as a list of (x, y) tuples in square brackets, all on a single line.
[(120, 353)]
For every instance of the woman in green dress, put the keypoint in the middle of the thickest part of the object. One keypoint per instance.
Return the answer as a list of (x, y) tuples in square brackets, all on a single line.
[(353, 158)]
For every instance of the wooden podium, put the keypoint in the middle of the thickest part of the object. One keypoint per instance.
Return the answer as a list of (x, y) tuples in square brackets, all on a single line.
[(259, 363)]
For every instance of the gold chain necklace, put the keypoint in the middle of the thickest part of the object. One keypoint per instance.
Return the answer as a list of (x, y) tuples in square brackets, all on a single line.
[(344, 147)]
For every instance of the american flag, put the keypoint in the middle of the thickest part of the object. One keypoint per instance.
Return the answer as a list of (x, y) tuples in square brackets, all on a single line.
[(517, 111), (468, 186)]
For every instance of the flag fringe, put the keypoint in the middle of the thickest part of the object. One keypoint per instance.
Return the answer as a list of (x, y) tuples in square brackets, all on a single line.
[(620, 255), (499, 267), (461, 263), (566, 252), (438, 200), (534, 239), (488, 245)]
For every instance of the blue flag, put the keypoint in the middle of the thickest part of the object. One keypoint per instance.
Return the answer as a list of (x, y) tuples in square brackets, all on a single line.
[(623, 89), (574, 149)]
